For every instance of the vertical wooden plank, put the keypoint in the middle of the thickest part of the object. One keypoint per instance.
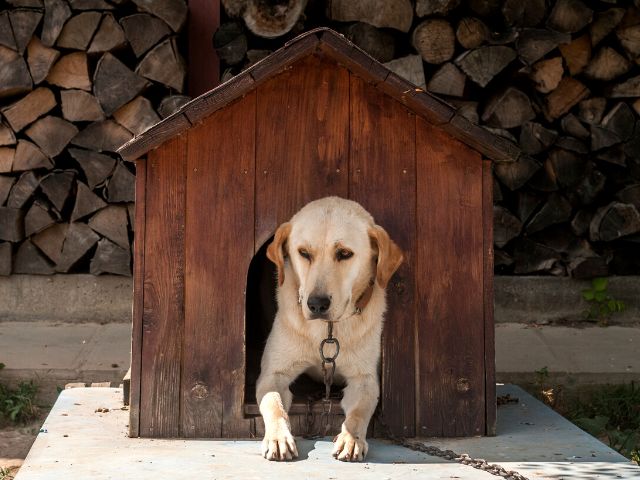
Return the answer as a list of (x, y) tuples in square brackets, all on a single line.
[(203, 67), (219, 248), (489, 327), (138, 302), (382, 174), (302, 138), (163, 290), (449, 276)]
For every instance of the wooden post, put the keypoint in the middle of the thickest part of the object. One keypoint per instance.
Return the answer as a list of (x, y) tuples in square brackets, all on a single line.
[(203, 63)]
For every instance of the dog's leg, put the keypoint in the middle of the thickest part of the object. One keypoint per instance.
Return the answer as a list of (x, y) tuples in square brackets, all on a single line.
[(274, 398), (358, 403)]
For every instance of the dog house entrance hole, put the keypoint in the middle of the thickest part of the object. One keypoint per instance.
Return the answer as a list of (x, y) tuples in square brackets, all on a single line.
[(260, 311)]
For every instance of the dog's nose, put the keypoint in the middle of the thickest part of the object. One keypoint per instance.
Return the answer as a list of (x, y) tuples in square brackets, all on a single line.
[(319, 304)]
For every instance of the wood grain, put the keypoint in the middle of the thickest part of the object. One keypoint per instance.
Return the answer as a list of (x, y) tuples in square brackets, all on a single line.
[(489, 325), (219, 248), (138, 299), (449, 278), (203, 65), (301, 141), (163, 315), (382, 173)]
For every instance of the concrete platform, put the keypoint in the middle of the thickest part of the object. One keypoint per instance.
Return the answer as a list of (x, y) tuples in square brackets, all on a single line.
[(79, 443)]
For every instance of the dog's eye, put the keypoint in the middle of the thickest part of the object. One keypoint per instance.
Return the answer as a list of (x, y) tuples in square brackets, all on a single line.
[(343, 254), (304, 254)]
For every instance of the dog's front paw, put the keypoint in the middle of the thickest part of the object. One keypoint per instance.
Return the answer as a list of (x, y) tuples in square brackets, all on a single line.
[(278, 443), (349, 448)]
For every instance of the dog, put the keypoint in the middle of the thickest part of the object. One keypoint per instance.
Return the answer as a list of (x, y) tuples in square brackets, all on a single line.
[(333, 265)]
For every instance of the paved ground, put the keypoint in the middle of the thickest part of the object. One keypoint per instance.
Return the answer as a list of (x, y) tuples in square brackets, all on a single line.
[(78, 442)]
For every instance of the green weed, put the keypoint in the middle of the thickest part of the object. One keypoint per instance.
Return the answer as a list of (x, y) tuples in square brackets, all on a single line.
[(601, 304)]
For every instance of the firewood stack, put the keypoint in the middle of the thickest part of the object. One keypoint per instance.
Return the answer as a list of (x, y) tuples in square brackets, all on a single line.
[(78, 78), (560, 78)]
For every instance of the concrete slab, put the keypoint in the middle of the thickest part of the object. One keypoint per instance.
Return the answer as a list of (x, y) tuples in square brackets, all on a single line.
[(80, 443)]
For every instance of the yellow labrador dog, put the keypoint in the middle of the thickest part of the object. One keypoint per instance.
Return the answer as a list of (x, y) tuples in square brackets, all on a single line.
[(333, 265)]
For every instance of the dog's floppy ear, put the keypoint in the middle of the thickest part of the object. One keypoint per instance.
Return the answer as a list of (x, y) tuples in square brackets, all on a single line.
[(275, 251), (389, 255)]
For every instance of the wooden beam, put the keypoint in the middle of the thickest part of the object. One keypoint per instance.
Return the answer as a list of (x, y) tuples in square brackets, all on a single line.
[(203, 71)]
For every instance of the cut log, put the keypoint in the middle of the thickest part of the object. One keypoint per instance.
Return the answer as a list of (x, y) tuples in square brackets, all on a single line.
[(501, 260), (121, 186), (5, 258), (533, 44), (629, 194), (614, 221), (434, 40), (569, 92), (572, 144), (589, 188), (515, 174), (50, 241), (448, 80), (629, 88), (571, 125), (57, 187), (410, 68), (115, 84), (78, 241), (484, 8), (230, 43), (509, 109), (466, 109), (110, 36), (105, 136), (517, 13), (577, 54), (71, 72), (110, 258), (396, 14), (7, 137), (78, 31), (138, 115), (556, 210), (111, 222), (587, 268), (527, 204), (173, 12), (143, 32), (80, 106), (7, 156), (56, 13), (377, 43), (566, 168), (29, 260), (484, 63), (6, 34), (629, 38), (90, 5), (506, 226), (171, 104), (14, 74), (255, 55), (531, 257), (131, 211), (87, 202), (11, 224), (29, 108), (30, 157), (5, 187), (606, 65), (620, 120), (569, 16), (432, 7), (51, 134), (615, 155), (580, 222), (604, 23), (24, 23), (535, 138), (37, 219), (544, 179), (165, 65), (22, 190), (546, 74), (602, 138), (40, 59), (591, 110), (271, 20), (472, 32), (96, 166)]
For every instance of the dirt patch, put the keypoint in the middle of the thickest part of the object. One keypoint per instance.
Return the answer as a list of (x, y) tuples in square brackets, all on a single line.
[(16, 440)]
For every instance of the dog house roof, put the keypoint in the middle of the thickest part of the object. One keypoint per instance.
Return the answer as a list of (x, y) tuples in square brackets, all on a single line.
[(326, 42)]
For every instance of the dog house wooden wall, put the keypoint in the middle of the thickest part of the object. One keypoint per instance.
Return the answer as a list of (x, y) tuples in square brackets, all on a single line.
[(319, 117)]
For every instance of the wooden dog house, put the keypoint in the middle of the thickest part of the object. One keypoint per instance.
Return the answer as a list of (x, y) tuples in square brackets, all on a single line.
[(318, 117)]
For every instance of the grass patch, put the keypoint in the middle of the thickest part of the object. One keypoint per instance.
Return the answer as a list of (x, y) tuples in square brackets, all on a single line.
[(17, 405), (7, 473)]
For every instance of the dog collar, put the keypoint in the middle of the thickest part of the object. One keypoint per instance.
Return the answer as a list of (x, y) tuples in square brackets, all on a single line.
[(363, 300)]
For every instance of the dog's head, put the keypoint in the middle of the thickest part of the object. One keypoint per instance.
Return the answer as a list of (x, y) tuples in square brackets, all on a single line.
[(334, 252)]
